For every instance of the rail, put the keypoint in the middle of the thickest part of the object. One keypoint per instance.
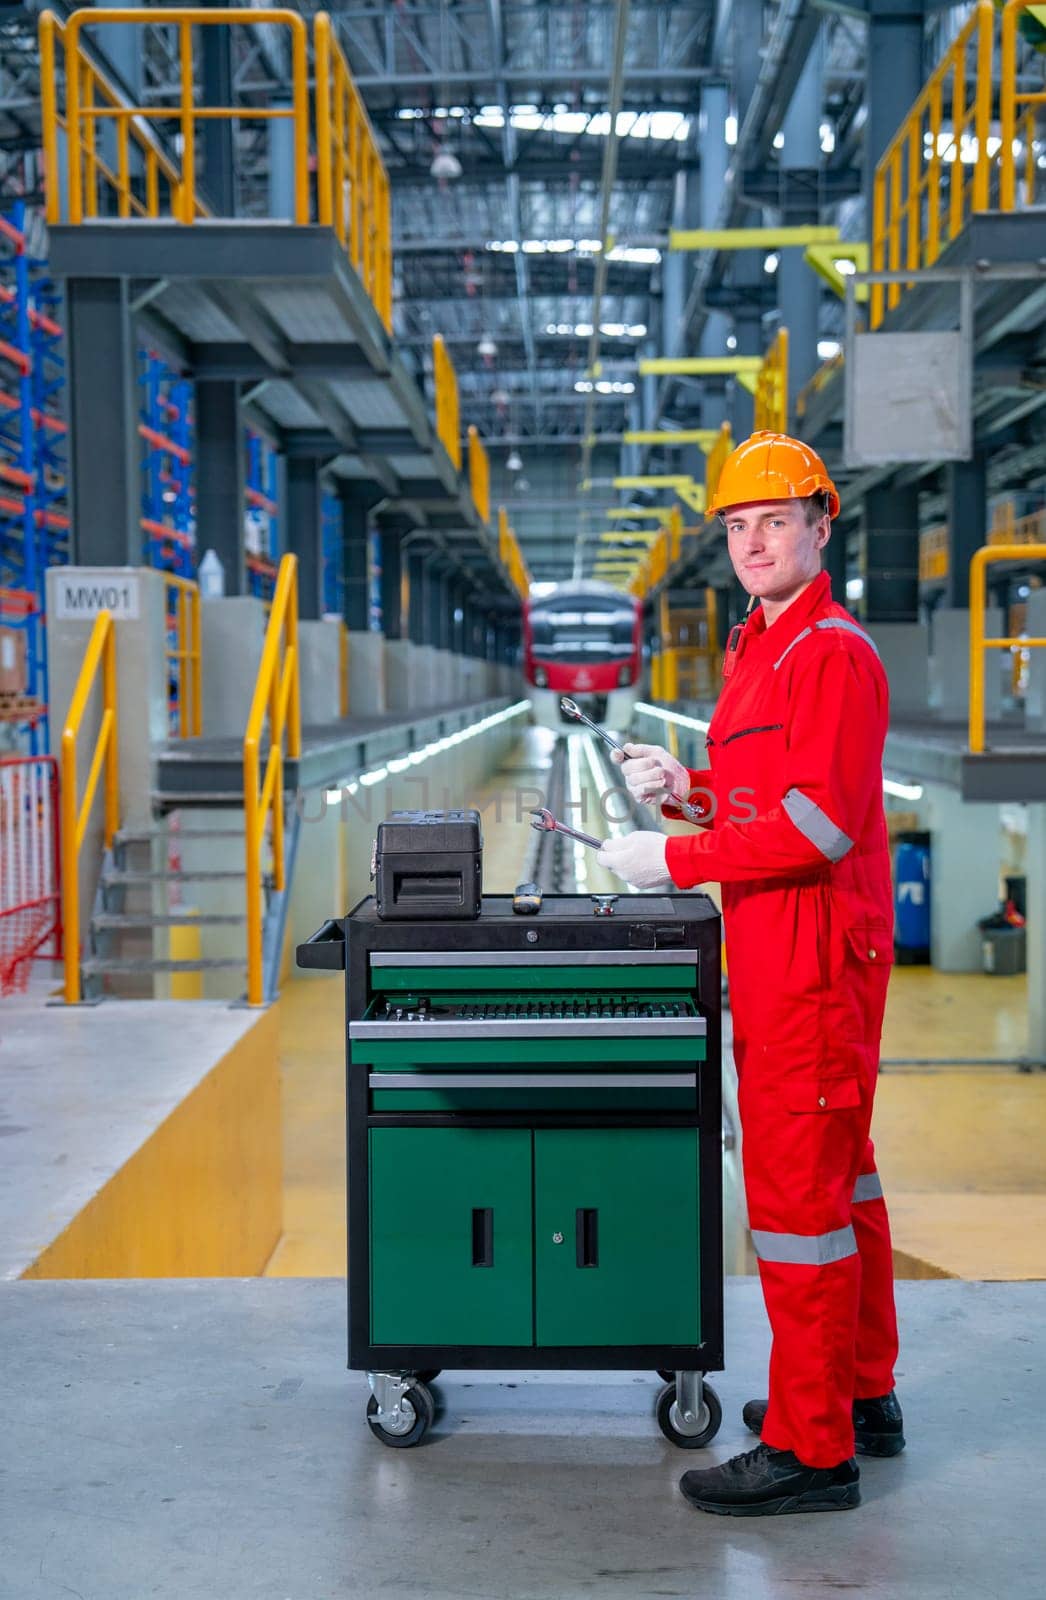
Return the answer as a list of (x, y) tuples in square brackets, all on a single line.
[(921, 195), (479, 474), (771, 387), (1018, 114), (983, 558), (351, 181), (716, 459), (135, 174), (100, 653), (448, 410), (276, 701), (185, 656)]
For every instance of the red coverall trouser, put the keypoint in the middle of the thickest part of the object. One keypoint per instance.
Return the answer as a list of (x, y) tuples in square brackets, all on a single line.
[(797, 839)]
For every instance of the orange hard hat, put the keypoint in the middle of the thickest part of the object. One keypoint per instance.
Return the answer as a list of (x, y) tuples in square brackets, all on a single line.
[(772, 466)]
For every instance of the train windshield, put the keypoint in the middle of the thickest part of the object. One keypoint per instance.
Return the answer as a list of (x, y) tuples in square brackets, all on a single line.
[(582, 628)]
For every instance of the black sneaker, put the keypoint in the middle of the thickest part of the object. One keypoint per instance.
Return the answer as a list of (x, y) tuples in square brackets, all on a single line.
[(772, 1483), (878, 1424)]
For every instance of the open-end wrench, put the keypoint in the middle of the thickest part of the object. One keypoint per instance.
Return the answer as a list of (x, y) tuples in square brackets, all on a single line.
[(570, 709), (543, 820)]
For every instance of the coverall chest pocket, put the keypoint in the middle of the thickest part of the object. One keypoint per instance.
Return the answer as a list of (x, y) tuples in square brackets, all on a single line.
[(748, 762)]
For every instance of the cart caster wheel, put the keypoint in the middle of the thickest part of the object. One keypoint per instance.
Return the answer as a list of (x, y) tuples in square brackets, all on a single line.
[(689, 1434), (428, 1374), (664, 1374), (416, 1412)]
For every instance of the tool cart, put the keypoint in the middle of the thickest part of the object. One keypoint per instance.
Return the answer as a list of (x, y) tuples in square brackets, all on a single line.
[(534, 1147)]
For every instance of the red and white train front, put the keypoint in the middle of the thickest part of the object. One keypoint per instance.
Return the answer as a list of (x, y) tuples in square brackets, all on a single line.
[(583, 640)]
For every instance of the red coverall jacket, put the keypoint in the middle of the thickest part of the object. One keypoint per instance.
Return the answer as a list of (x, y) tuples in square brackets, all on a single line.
[(797, 839)]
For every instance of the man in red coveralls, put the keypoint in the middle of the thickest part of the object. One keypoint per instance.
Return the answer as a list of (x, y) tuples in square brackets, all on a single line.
[(796, 836)]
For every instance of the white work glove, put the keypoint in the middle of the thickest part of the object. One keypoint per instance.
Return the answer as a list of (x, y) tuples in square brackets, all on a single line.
[(639, 858), (651, 773)]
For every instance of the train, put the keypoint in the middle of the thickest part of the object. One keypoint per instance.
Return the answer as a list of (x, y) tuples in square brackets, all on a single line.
[(585, 640)]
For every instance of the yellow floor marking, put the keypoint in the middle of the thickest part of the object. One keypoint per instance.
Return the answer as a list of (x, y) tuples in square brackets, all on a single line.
[(312, 1070)]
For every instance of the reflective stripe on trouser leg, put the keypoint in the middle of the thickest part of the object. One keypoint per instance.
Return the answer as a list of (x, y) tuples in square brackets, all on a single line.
[(804, 1250), (876, 1340)]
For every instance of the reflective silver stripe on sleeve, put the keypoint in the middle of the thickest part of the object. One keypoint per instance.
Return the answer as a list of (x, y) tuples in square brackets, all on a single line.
[(806, 1250), (804, 635), (828, 622), (848, 627), (869, 1186), (812, 823)]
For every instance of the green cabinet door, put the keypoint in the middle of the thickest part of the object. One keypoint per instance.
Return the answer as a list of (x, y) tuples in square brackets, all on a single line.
[(616, 1236), (451, 1236)]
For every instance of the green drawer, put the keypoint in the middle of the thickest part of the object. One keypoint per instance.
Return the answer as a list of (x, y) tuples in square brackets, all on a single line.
[(435, 979)]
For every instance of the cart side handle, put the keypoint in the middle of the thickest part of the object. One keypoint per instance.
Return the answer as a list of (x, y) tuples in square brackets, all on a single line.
[(324, 949)]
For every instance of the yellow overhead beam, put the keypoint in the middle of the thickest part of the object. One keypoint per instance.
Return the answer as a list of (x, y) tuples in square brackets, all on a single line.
[(669, 481), (698, 366), (823, 259), (748, 380), (705, 437), (631, 536), (748, 238), (662, 513)]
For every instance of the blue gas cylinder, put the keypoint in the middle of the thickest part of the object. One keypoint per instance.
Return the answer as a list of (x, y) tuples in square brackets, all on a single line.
[(911, 892)]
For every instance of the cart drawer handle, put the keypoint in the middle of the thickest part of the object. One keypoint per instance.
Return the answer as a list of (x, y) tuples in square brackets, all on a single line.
[(483, 1236), (527, 1080), (587, 1237)]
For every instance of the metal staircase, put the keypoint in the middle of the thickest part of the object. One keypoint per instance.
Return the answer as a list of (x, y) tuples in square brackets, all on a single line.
[(140, 901)]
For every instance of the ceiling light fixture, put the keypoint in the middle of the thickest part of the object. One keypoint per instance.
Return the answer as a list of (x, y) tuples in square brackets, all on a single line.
[(445, 164)]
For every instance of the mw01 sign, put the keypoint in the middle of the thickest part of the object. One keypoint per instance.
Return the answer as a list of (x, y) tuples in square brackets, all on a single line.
[(81, 598)]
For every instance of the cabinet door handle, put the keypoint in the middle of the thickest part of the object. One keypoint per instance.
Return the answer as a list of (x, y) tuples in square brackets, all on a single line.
[(483, 1236), (587, 1237)]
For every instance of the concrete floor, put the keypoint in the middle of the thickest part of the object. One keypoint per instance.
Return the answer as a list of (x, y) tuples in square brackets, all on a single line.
[(200, 1441)]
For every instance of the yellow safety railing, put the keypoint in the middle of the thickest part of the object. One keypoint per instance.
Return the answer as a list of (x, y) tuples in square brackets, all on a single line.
[(511, 555), (921, 195), (714, 462), (90, 101), (448, 410), (141, 177), (352, 184), (276, 701), (822, 376), (978, 643), (1018, 111), (185, 656), (100, 653), (1008, 528), (94, 96), (933, 553), (771, 386), (479, 473), (343, 671)]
